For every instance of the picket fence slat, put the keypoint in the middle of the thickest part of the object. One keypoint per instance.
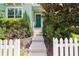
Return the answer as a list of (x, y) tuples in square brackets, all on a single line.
[(0, 47), (61, 47), (16, 53), (18, 47), (10, 47), (55, 50), (76, 47), (71, 47), (68, 47), (5, 47)]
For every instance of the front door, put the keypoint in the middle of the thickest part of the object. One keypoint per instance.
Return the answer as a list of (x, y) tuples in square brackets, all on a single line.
[(38, 21)]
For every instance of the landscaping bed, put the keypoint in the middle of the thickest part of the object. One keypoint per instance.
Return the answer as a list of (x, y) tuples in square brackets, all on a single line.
[(24, 46), (17, 28), (25, 43)]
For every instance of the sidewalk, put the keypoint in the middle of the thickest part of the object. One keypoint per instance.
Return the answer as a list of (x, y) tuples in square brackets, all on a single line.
[(38, 47)]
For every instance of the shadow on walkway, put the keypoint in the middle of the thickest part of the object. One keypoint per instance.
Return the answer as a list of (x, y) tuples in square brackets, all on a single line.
[(49, 46)]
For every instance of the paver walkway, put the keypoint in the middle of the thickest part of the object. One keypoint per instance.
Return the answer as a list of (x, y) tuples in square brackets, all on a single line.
[(37, 47)]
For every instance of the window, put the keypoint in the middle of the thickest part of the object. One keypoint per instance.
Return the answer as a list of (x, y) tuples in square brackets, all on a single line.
[(10, 13), (14, 12), (18, 13)]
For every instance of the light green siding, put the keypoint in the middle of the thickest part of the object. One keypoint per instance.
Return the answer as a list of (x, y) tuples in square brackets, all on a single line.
[(26, 7), (2, 9)]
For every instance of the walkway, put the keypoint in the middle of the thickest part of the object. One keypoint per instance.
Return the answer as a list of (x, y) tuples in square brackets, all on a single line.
[(38, 47)]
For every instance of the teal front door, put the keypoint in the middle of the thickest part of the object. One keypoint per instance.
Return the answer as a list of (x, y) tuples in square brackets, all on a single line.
[(38, 21)]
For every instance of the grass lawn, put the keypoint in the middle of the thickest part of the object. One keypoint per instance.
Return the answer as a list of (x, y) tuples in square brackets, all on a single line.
[(75, 35)]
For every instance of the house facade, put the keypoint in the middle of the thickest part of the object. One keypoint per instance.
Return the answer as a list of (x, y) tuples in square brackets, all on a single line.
[(16, 10)]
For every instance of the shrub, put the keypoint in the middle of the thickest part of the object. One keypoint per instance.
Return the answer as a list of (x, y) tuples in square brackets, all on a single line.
[(15, 28), (47, 31), (26, 24), (2, 33), (9, 22), (56, 26)]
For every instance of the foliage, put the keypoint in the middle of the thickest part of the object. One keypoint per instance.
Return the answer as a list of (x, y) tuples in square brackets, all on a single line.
[(9, 22), (59, 20), (26, 24), (75, 35), (15, 28), (2, 31), (1, 14)]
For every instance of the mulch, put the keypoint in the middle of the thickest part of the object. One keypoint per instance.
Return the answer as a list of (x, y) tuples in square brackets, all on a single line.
[(49, 46)]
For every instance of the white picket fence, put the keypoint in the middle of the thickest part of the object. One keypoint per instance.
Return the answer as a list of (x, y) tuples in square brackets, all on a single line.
[(65, 47), (10, 47)]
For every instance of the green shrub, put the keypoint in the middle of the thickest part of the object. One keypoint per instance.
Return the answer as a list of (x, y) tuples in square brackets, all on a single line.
[(75, 29), (8, 22), (26, 24), (15, 27), (47, 31), (1, 14), (75, 35), (56, 26), (2, 33)]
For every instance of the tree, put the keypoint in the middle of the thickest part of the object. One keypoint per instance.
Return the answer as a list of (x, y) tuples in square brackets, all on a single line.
[(59, 19)]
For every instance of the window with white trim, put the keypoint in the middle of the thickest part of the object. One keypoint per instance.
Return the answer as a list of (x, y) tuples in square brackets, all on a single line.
[(14, 13)]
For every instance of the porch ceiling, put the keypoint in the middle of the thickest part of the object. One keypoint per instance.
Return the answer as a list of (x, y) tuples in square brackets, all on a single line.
[(38, 9)]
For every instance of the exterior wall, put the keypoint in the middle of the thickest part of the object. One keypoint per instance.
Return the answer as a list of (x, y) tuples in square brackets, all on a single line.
[(2, 9), (25, 7)]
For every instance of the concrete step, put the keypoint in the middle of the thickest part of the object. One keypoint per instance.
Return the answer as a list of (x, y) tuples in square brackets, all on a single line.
[(38, 38)]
